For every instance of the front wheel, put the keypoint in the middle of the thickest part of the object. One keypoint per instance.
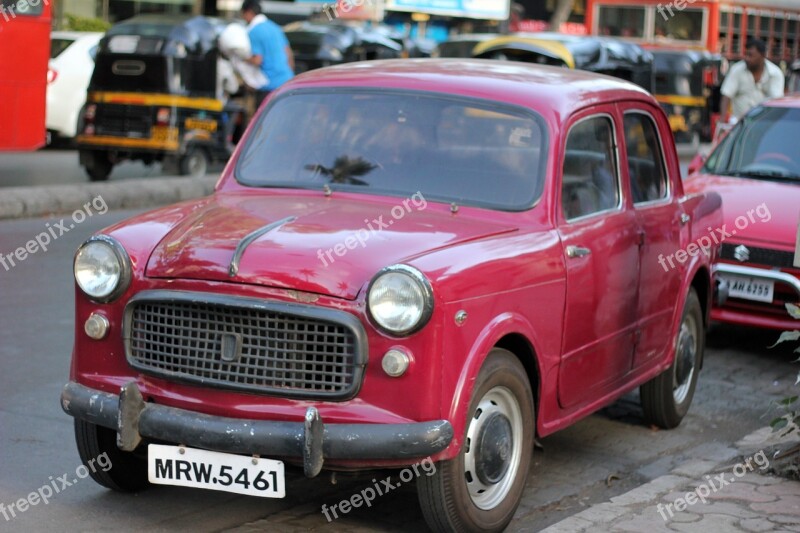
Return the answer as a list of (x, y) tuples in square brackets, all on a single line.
[(194, 163), (480, 489), (98, 166), (108, 465), (666, 397)]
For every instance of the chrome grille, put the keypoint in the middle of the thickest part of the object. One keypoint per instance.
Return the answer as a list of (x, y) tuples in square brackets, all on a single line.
[(254, 347)]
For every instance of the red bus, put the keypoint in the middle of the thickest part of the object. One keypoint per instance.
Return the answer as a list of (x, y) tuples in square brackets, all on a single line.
[(24, 53), (718, 26)]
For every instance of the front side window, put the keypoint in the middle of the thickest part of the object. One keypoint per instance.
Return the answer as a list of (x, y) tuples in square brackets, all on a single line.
[(590, 181), (645, 161), (459, 150)]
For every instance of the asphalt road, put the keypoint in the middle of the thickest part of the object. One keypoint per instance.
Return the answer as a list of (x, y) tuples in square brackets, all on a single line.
[(600, 457)]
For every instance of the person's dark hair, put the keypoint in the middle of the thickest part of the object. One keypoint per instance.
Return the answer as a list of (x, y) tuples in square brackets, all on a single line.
[(251, 5), (758, 44)]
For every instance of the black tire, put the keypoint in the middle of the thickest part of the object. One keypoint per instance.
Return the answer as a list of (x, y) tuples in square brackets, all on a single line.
[(195, 163), (450, 498), (128, 471), (666, 398), (99, 167)]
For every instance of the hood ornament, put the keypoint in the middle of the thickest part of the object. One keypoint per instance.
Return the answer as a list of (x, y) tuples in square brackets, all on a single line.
[(233, 269)]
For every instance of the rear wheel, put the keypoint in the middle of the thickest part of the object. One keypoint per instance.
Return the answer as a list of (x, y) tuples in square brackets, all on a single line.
[(666, 398), (194, 163), (480, 489), (108, 465)]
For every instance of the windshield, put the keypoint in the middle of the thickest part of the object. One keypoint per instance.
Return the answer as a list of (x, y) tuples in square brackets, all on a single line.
[(398, 143), (762, 145)]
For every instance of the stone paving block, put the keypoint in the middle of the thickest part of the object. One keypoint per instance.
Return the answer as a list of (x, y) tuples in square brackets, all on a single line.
[(604, 512), (787, 505), (786, 520), (710, 523), (782, 488), (649, 522), (756, 525), (738, 490), (695, 469), (570, 525)]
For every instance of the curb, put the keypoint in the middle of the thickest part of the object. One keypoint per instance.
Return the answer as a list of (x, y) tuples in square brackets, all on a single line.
[(713, 460), (30, 202)]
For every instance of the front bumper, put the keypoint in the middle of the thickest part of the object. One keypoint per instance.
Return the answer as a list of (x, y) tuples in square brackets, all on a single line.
[(311, 440), (750, 318)]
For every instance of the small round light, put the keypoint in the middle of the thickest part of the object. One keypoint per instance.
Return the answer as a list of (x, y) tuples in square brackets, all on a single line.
[(395, 363), (96, 326)]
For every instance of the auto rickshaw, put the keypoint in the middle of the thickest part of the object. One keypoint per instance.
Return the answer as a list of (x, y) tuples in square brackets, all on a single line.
[(156, 95), (793, 78), (462, 45), (322, 44), (688, 89), (604, 55)]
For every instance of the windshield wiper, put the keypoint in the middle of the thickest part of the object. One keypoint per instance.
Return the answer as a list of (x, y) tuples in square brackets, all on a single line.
[(762, 174)]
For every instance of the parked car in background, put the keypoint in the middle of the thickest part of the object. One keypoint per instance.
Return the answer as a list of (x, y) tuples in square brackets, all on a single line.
[(405, 263), (756, 170), (71, 65), (321, 44)]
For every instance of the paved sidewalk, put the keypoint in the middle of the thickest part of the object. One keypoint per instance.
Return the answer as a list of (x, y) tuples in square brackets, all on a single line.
[(25, 202), (732, 494)]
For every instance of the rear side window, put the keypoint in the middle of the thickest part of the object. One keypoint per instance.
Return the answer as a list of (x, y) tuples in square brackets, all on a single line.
[(590, 181), (645, 160)]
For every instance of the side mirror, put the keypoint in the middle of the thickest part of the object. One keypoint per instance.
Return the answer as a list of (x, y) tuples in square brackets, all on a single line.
[(697, 163)]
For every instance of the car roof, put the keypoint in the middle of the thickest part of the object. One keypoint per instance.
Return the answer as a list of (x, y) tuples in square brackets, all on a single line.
[(545, 89), (784, 101)]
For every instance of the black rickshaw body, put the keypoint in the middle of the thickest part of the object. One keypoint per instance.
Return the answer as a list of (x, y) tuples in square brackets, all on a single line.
[(604, 55), (154, 96), (793, 78), (317, 44), (688, 89)]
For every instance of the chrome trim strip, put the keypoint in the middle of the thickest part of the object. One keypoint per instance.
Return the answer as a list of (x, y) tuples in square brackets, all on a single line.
[(774, 275), (248, 240)]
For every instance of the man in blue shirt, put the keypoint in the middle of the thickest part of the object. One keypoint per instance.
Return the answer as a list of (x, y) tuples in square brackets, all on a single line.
[(271, 51)]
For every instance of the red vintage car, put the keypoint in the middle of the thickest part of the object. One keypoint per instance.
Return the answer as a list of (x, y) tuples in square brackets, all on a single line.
[(756, 170), (405, 263)]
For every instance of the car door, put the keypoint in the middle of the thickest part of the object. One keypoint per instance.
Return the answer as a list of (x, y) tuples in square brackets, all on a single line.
[(659, 223), (599, 239)]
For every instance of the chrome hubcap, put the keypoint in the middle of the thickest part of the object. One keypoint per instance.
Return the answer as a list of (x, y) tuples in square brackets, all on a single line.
[(685, 359), (493, 448)]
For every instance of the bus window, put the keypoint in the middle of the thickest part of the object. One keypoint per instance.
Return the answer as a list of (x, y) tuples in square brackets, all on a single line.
[(621, 21), (686, 25)]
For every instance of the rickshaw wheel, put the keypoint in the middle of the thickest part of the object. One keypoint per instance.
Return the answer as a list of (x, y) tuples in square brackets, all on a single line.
[(99, 168), (194, 163)]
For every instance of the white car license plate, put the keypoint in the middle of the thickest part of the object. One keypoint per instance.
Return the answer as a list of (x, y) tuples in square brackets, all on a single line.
[(188, 467), (758, 290)]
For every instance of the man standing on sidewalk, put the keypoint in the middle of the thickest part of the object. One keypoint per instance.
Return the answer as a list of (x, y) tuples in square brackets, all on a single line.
[(271, 51), (750, 82)]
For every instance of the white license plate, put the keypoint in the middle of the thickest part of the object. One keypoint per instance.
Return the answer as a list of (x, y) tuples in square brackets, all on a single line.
[(747, 288), (187, 467)]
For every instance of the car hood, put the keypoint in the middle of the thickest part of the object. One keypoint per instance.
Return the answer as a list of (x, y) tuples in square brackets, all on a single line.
[(294, 240), (766, 211)]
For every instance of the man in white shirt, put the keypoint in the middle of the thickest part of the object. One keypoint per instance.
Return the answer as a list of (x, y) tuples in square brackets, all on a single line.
[(750, 82)]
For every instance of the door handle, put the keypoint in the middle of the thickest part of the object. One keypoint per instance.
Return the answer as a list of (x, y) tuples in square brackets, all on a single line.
[(577, 251)]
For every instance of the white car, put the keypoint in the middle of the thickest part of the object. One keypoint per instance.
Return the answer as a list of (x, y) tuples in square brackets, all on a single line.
[(71, 66)]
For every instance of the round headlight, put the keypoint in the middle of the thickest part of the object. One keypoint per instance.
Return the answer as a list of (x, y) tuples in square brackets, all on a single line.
[(400, 299), (102, 268)]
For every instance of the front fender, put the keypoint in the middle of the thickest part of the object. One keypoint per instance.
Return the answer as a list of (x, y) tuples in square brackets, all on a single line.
[(502, 325)]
